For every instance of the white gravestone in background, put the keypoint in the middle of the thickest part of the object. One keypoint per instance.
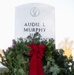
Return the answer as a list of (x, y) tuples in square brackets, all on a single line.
[(34, 17)]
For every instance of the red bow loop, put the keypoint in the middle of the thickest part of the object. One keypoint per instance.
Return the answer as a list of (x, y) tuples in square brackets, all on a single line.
[(41, 50), (34, 49)]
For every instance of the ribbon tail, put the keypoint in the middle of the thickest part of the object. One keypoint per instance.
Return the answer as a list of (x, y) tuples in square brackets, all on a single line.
[(33, 65), (39, 67)]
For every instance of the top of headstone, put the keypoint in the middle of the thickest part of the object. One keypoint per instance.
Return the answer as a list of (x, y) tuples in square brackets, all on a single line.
[(35, 4)]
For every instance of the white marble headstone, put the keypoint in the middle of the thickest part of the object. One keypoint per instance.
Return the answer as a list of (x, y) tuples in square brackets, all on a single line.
[(34, 17)]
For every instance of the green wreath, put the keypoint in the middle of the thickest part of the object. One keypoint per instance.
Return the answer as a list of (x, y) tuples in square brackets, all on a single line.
[(54, 62)]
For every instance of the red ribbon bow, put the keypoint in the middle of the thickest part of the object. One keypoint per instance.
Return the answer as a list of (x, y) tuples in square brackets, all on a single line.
[(36, 53)]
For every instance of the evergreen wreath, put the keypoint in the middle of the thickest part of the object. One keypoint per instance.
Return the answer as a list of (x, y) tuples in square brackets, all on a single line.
[(54, 62)]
